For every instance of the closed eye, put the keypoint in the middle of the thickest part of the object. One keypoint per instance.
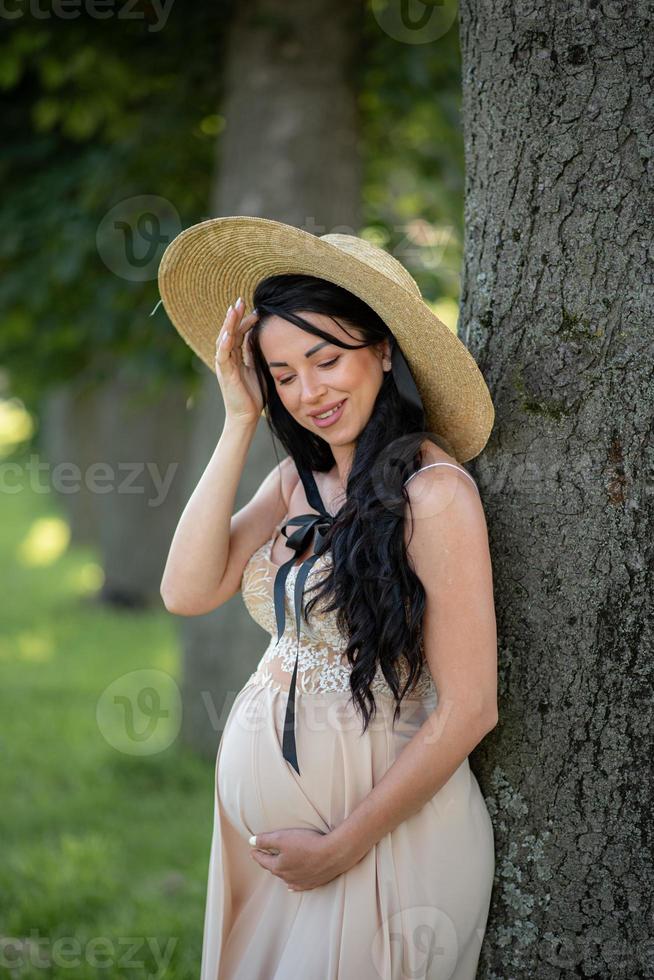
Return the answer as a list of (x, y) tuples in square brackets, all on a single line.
[(325, 364)]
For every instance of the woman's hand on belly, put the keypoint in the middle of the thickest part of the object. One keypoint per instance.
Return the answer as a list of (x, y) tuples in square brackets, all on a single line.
[(305, 858)]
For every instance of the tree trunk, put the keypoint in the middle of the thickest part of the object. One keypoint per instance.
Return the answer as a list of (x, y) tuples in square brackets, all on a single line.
[(145, 445), (67, 442), (556, 308), (117, 463), (289, 152)]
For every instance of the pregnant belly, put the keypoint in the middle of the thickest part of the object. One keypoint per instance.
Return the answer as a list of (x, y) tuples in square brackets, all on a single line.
[(260, 791)]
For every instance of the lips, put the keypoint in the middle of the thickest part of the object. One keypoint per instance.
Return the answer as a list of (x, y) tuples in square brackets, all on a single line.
[(333, 418), (326, 408)]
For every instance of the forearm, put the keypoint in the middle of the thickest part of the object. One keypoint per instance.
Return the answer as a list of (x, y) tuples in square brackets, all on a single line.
[(200, 546), (423, 766)]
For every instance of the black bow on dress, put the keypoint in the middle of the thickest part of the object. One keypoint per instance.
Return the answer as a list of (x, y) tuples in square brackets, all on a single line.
[(310, 527)]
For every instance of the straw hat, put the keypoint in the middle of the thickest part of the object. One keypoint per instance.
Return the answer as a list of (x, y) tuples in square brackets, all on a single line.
[(209, 264)]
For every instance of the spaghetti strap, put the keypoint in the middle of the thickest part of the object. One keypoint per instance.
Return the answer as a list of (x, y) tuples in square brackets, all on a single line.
[(453, 465)]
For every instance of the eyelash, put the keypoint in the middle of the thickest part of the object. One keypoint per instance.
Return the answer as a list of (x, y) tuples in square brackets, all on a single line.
[(325, 364)]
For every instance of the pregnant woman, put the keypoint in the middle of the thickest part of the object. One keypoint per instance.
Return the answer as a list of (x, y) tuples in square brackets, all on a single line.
[(351, 839)]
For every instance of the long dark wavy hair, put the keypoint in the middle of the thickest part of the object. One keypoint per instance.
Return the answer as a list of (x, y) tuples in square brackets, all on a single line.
[(378, 598)]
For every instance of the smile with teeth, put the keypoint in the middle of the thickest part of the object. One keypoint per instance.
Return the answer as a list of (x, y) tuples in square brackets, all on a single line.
[(326, 415)]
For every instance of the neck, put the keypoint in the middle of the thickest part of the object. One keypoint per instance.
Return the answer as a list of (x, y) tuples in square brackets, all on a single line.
[(343, 456)]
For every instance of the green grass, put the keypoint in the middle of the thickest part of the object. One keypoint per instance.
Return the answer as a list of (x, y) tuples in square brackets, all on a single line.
[(105, 838)]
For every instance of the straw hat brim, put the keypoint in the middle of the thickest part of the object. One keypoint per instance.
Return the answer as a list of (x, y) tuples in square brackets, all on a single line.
[(208, 265)]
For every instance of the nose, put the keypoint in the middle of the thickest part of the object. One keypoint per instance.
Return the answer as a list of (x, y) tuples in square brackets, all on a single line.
[(312, 394)]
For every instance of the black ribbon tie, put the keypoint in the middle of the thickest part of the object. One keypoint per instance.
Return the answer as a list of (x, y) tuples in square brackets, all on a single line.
[(310, 528)]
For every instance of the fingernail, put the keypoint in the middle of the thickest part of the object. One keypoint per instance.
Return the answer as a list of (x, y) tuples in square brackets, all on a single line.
[(239, 302), (229, 309), (253, 840)]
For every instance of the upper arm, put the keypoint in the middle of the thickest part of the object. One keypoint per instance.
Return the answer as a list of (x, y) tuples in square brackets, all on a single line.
[(250, 527), (447, 543)]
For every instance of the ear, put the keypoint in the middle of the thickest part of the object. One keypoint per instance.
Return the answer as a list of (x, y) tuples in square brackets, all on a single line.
[(384, 349)]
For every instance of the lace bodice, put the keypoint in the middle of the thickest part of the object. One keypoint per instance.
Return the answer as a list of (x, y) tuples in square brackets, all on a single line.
[(322, 667)]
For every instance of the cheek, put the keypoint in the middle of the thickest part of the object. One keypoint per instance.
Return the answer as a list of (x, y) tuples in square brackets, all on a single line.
[(351, 377), (364, 381)]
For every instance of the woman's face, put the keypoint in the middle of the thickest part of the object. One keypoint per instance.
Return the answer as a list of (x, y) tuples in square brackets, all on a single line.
[(312, 374)]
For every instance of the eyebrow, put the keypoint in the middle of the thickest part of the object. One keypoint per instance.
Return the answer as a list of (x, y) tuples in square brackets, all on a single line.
[(312, 350)]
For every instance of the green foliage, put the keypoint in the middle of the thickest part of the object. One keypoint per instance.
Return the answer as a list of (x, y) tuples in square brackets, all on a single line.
[(97, 113), (102, 112), (410, 105), (98, 845)]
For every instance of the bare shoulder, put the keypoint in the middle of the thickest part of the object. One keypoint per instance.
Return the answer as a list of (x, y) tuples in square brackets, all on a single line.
[(448, 476), (442, 495)]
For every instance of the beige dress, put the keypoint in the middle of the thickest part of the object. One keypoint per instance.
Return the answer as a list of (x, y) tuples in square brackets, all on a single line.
[(416, 905)]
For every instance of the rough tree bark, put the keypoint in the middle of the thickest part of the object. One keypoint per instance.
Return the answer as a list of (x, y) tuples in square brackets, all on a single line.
[(289, 152), (557, 308)]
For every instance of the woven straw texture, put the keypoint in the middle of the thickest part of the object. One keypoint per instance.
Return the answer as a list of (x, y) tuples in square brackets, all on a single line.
[(209, 264)]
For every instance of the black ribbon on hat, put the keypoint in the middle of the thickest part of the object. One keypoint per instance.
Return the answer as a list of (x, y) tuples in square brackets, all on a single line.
[(404, 379), (310, 528)]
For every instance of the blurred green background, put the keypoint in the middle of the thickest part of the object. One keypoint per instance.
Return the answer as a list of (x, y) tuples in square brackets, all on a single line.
[(100, 841)]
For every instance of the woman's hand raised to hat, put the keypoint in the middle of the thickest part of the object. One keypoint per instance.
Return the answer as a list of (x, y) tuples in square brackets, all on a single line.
[(236, 376)]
